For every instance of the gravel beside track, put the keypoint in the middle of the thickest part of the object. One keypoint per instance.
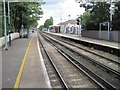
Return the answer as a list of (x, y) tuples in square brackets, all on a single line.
[(101, 53), (112, 78), (95, 57), (54, 79), (72, 76)]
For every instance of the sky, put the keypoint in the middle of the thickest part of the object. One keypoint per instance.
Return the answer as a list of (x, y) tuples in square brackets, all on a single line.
[(60, 11)]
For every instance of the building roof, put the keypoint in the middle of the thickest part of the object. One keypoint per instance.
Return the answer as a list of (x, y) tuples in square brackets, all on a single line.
[(68, 22)]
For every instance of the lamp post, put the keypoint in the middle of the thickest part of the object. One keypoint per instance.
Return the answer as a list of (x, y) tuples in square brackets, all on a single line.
[(79, 21), (9, 23), (112, 10), (8, 12), (5, 33), (69, 17)]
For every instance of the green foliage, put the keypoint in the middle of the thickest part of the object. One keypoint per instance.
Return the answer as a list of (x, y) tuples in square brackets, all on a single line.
[(26, 13), (87, 20), (0, 18), (116, 17), (48, 22), (98, 12), (41, 27)]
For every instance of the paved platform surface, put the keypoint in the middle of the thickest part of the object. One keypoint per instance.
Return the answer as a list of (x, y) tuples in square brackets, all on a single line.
[(24, 53), (34, 73), (11, 61), (90, 40)]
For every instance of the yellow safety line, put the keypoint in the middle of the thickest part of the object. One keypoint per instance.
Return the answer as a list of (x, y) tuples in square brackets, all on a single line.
[(16, 85), (106, 43)]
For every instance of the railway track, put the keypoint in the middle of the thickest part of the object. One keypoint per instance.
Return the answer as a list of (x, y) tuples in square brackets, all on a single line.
[(70, 76), (54, 77), (109, 74), (111, 65), (88, 50)]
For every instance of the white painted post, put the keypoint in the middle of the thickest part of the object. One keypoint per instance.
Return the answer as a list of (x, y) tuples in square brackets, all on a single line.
[(8, 12), (5, 32), (108, 31), (100, 31)]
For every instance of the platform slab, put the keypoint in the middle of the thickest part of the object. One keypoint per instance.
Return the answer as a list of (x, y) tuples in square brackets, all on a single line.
[(11, 61), (114, 45), (33, 75)]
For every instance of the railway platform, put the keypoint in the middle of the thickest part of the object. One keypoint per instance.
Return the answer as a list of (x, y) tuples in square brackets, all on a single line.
[(90, 40), (23, 65), (112, 47)]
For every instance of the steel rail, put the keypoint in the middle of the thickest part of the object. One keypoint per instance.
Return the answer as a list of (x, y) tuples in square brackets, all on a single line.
[(88, 58), (54, 66), (85, 70), (116, 50), (91, 52)]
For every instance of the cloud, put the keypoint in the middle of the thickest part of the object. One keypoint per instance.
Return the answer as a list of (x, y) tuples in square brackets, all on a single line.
[(70, 7), (60, 9)]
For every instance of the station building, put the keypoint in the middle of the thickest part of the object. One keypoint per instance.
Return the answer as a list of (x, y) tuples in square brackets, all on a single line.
[(70, 27)]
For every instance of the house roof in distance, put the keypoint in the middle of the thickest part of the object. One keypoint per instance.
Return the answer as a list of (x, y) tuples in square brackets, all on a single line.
[(68, 22)]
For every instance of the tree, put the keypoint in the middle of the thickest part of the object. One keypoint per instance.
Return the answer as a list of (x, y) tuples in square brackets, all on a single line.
[(0, 18), (41, 27), (24, 13), (99, 13), (87, 21), (48, 22), (116, 19)]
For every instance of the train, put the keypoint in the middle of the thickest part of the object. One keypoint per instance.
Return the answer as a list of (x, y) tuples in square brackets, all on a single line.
[(54, 28)]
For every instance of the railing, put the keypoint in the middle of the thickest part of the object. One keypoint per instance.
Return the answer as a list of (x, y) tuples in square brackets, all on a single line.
[(13, 36)]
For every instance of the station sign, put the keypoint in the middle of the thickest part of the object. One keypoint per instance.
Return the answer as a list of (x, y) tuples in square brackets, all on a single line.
[(105, 24)]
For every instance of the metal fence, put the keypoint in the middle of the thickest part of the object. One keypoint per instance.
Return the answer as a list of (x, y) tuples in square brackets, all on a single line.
[(114, 35)]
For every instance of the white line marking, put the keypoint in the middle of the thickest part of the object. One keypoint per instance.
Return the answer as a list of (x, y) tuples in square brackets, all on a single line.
[(47, 80)]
